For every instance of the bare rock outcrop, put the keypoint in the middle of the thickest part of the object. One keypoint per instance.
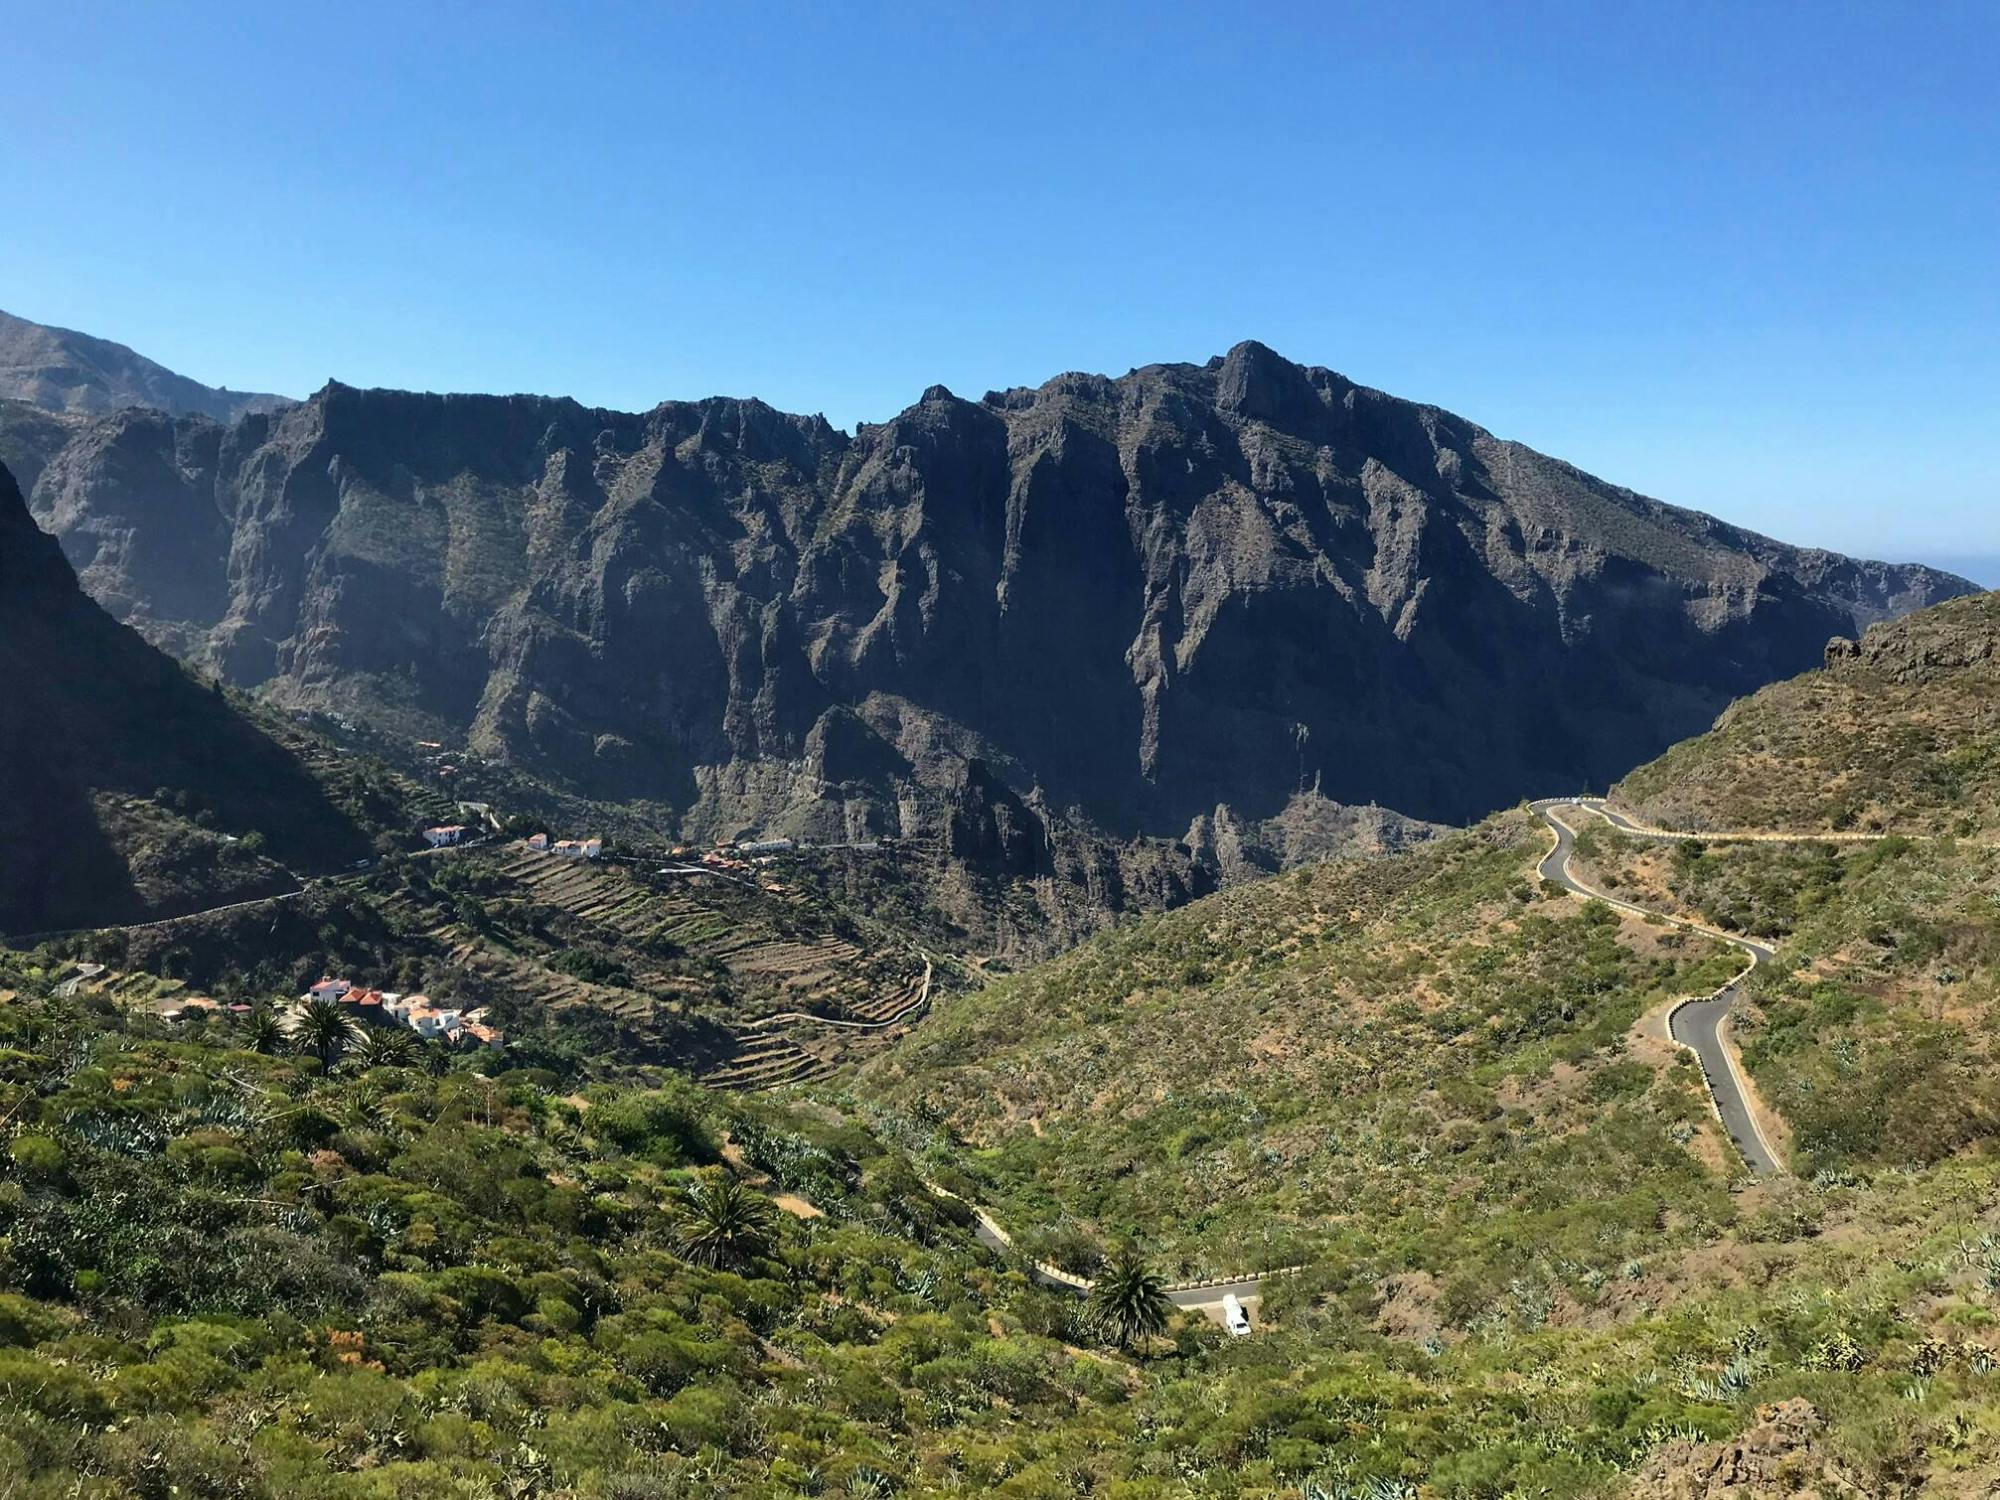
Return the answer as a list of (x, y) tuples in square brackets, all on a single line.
[(1104, 605)]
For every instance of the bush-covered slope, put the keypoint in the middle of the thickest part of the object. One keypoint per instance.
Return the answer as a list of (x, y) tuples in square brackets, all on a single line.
[(1420, 1060), (1899, 732), (224, 1275), (1873, 1035)]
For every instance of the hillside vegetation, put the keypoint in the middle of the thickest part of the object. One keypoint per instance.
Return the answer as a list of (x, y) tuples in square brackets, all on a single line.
[(1899, 732), (228, 1275), (1418, 1063)]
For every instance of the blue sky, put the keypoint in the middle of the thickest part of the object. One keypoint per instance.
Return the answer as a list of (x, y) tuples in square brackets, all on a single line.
[(1741, 257)]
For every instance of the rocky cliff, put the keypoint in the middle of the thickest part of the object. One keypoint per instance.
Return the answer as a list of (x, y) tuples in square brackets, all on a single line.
[(1196, 602), (127, 789)]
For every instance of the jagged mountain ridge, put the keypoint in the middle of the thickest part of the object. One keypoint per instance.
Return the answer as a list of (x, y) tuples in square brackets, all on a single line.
[(127, 789), (61, 370), (1137, 600)]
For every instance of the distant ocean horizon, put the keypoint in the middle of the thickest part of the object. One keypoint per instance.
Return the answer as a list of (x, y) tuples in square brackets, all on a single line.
[(1982, 568)]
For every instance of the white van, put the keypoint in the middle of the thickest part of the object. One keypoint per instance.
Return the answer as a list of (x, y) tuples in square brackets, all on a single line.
[(1234, 1318)]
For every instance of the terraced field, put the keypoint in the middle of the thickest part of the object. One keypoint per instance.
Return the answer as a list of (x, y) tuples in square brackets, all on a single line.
[(758, 988)]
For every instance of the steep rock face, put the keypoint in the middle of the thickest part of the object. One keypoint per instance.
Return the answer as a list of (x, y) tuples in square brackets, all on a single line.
[(127, 789), (61, 370), (1126, 603)]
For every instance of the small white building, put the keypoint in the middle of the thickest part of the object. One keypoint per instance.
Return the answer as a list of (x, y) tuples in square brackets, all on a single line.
[(448, 833), (539, 842), (430, 1021), (327, 991)]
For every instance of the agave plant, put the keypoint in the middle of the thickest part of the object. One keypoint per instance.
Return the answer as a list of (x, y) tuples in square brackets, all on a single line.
[(261, 1032), (721, 1223), (1130, 1301), (383, 1048)]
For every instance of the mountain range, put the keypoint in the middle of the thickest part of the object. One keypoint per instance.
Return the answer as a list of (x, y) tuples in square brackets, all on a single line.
[(1200, 609), (1421, 1119)]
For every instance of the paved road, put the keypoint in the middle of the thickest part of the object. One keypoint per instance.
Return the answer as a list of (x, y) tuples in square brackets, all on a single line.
[(1696, 1024)]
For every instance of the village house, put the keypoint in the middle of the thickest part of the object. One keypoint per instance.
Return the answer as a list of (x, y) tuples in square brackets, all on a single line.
[(436, 1022), (539, 842), (448, 833), (446, 1023), (579, 848)]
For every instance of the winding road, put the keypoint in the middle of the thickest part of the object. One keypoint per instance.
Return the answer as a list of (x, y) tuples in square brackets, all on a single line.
[(1700, 1024)]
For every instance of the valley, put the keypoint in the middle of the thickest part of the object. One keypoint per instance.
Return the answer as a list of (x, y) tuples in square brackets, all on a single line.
[(846, 1048)]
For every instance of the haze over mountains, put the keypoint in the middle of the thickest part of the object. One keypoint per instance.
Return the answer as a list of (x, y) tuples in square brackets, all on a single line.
[(61, 370), (1195, 604)]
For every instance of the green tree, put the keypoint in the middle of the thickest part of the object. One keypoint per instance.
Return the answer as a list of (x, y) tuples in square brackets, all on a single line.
[(721, 1223), (1130, 1301), (326, 1031)]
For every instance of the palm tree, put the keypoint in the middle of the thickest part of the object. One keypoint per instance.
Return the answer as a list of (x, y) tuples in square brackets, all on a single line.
[(382, 1048), (327, 1030), (1129, 1299), (262, 1032), (720, 1222)]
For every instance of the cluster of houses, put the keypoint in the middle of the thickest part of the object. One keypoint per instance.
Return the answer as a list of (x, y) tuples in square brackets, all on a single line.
[(566, 848), (445, 1023)]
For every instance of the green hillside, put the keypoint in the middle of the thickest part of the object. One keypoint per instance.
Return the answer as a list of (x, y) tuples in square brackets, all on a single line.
[(1418, 1060), (1530, 1264), (1900, 732)]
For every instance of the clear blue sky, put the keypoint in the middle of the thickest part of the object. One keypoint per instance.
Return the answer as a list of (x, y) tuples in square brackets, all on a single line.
[(1742, 257)]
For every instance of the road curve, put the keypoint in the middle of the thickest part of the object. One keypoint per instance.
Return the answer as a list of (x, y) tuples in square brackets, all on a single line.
[(1698, 1024)]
